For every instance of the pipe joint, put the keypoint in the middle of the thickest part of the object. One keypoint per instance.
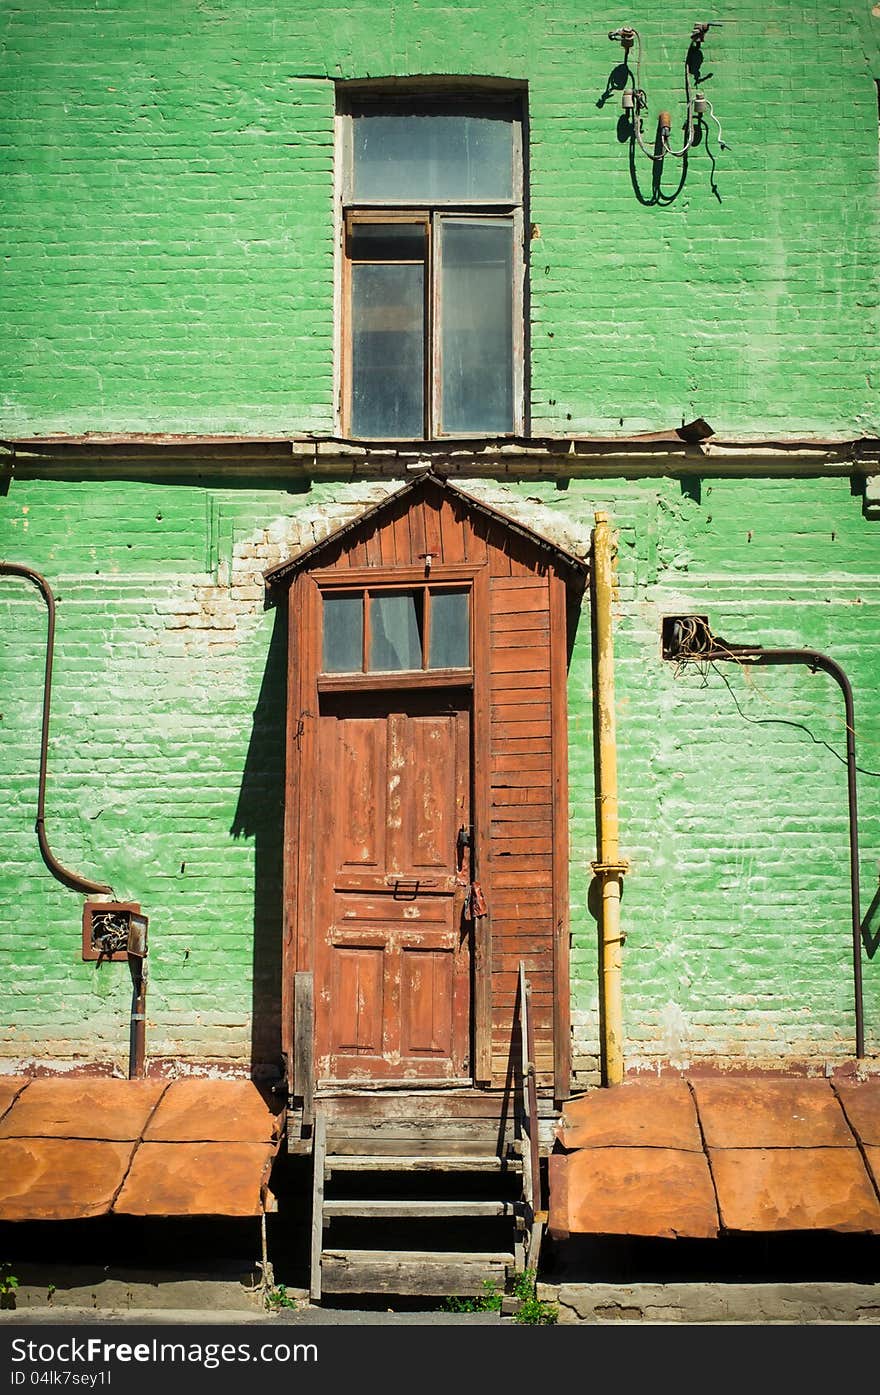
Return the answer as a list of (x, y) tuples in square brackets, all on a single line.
[(610, 869)]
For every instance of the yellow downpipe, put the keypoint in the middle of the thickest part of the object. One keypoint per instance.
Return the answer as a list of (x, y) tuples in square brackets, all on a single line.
[(609, 868)]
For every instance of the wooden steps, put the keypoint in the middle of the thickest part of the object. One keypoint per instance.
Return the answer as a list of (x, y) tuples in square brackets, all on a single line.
[(419, 1209), (421, 1206), (425, 1162), (429, 1272)]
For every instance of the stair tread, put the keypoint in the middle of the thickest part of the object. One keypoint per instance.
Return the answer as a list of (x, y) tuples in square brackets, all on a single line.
[(398, 1257), (415, 1208), (474, 1162)]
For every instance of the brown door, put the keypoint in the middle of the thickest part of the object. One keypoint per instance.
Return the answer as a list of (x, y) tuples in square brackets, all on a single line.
[(392, 958)]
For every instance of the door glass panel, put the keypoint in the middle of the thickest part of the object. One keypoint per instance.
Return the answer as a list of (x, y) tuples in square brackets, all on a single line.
[(395, 631), (343, 634), (476, 345), (387, 349), (450, 630), (432, 158)]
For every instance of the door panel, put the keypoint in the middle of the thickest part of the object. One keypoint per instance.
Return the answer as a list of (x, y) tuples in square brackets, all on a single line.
[(357, 993), (426, 989), (392, 960)]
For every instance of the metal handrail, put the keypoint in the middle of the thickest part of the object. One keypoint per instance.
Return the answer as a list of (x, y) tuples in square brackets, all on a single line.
[(533, 1196)]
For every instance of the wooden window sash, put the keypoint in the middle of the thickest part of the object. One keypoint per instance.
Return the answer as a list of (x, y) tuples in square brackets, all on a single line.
[(391, 211), (462, 580)]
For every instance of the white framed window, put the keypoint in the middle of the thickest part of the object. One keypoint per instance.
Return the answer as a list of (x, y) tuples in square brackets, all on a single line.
[(432, 263)]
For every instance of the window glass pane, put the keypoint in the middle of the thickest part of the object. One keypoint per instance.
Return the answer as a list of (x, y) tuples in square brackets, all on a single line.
[(387, 242), (387, 313), (476, 343), (450, 647), (395, 630), (343, 634), (432, 158)]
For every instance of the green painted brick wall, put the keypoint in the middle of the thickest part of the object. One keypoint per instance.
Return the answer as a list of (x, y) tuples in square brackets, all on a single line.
[(167, 175), (165, 764)]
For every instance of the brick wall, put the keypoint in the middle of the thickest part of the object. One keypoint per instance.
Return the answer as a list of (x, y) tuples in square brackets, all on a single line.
[(168, 266), (168, 183), (165, 764)]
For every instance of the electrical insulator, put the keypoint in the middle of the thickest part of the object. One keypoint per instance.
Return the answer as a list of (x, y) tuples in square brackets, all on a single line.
[(628, 101)]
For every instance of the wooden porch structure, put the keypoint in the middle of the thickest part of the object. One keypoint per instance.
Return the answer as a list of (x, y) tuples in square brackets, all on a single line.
[(426, 842)]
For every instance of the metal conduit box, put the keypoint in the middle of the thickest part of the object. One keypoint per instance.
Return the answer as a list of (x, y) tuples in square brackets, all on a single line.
[(111, 929)]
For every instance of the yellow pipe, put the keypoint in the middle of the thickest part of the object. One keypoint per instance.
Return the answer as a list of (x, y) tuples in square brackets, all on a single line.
[(609, 868)]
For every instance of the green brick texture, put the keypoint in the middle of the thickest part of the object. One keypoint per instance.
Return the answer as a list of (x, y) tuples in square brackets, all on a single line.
[(168, 266), (168, 193), (166, 754)]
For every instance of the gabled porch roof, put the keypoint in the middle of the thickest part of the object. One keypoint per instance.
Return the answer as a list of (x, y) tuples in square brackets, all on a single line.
[(567, 562)]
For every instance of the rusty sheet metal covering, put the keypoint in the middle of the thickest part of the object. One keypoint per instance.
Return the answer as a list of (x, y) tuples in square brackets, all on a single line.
[(196, 1179), (69, 1146), (771, 1114), (52, 1179), (785, 1154), (83, 1108), (648, 1114), (861, 1104), (10, 1087), (659, 1192), (774, 1189), (198, 1111)]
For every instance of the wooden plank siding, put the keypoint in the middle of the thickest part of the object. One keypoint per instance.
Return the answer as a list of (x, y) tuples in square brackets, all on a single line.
[(521, 801)]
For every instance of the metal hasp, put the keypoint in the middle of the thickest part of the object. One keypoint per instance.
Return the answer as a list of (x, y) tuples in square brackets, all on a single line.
[(688, 638), (71, 879)]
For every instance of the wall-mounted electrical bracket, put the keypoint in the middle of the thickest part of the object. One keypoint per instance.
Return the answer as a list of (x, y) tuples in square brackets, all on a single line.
[(112, 930), (690, 639)]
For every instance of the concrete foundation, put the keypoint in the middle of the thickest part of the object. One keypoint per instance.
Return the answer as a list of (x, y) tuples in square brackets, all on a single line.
[(715, 1302)]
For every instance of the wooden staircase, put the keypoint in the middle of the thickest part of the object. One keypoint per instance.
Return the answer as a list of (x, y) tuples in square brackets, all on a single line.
[(430, 1194), (426, 1206)]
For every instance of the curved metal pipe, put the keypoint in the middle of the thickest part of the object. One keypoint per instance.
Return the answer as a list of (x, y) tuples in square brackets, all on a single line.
[(814, 660), (71, 879)]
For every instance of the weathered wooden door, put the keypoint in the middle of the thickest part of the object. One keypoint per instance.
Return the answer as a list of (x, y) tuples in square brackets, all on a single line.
[(392, 953)]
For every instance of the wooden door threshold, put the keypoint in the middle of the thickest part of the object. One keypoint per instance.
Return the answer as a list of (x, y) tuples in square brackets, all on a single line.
[(325, 1088)]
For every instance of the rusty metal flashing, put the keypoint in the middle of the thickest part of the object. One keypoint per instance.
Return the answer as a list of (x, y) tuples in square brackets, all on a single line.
[(69, 1148), (783, 1154), (285, 571)]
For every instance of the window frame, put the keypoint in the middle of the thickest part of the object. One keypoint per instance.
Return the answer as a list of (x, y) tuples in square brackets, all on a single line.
[(363, 581), (349, 213)]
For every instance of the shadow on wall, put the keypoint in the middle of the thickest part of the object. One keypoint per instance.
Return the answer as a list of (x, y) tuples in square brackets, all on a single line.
[(260, 815), (871, 926)]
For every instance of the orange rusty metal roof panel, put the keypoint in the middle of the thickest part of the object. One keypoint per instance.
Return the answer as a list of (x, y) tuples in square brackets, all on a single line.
[(861, 1105), (11, 1087), (776, 1189), (83, 1108), (646, 1114), (793, 1113), (213, 1111), (53, 1179), (872, 1157), (660, 1192), (196, 1179)]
